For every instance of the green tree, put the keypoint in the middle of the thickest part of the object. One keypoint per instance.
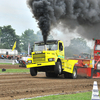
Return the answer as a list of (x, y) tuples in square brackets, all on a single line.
[(8, 37), (28, 37), (0, 33)]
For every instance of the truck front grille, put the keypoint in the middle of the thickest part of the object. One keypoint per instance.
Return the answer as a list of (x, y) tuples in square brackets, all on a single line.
[(39, 57)]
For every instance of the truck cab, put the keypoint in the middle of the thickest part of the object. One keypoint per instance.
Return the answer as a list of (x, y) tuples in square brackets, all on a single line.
[(47, 58)]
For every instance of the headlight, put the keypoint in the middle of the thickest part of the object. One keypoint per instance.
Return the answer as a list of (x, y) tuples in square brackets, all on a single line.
[(51, 59), (29, 61)]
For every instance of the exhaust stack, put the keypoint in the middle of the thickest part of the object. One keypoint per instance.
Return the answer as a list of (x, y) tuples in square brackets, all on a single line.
[(45, 39)]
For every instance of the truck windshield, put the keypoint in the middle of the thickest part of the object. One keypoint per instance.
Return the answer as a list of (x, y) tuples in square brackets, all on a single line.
[(49, 46), (97, 47)]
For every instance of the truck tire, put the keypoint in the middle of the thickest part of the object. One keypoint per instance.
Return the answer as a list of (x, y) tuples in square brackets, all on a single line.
[(58, 68), (74, 74), (33, 71), (51, 74)]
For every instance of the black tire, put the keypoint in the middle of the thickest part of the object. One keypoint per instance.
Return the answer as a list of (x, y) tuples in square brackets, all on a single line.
[(33, 71), (51, 74), (47, 74), (74, 74), (58, 68)]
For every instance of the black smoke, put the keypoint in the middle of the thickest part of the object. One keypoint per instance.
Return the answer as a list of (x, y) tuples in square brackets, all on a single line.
[(80, 15)]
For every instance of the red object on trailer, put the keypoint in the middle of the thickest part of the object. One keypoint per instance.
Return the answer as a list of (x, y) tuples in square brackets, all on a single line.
[(90, 67), (96, 71), (84, 67)]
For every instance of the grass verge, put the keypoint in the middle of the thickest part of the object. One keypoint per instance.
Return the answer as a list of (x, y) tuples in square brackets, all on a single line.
[(7, 64), (77, 96), (15, 71)]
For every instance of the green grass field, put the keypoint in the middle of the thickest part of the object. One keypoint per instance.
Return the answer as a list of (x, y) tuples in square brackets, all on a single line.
[(77, 96), (15, 71), (7, 64)]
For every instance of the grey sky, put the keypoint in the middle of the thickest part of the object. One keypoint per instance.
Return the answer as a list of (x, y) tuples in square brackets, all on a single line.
[(18, 15)]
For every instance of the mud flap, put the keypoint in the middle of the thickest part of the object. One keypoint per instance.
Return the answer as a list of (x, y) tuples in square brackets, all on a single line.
[(69, 66), (92, 71)]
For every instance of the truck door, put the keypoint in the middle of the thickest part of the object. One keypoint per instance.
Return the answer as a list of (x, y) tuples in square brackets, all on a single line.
[(61, 51)]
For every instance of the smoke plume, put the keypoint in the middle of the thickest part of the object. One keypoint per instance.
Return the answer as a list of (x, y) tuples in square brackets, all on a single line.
[(80, 15)]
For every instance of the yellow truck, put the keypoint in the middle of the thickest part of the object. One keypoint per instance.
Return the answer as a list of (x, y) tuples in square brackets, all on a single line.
[(50, 59)]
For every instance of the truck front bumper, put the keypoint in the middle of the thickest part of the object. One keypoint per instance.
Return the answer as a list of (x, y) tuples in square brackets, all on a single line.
[(40, 64)]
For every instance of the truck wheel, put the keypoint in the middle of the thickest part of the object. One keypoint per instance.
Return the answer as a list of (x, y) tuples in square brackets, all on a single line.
[(74, 74), (33, 71), (58, 68), (49, 74)]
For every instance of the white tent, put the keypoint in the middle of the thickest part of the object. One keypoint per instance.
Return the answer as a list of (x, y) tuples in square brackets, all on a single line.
[(9, 51)]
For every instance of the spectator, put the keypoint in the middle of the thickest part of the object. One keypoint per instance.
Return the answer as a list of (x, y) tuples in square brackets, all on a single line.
[(2, 57), (18, 59), (7, 56)]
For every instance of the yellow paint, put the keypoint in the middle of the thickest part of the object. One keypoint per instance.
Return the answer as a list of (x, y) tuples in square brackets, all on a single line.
[(91, 64), (40, 64), (40, 59), (69, 65)]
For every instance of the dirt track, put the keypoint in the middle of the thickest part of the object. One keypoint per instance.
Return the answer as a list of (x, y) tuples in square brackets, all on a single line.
[(16, 86)]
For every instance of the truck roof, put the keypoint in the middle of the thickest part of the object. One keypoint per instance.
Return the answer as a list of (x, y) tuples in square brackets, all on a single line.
[(47, 41)]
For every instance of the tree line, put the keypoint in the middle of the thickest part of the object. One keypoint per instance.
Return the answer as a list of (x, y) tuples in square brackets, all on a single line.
[(8, 36)]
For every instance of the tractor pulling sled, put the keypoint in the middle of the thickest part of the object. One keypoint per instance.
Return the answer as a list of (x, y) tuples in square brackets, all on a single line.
[(50, 59)]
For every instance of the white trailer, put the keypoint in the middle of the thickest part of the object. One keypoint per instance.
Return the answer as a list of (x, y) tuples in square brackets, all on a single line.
[(8, 52)]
